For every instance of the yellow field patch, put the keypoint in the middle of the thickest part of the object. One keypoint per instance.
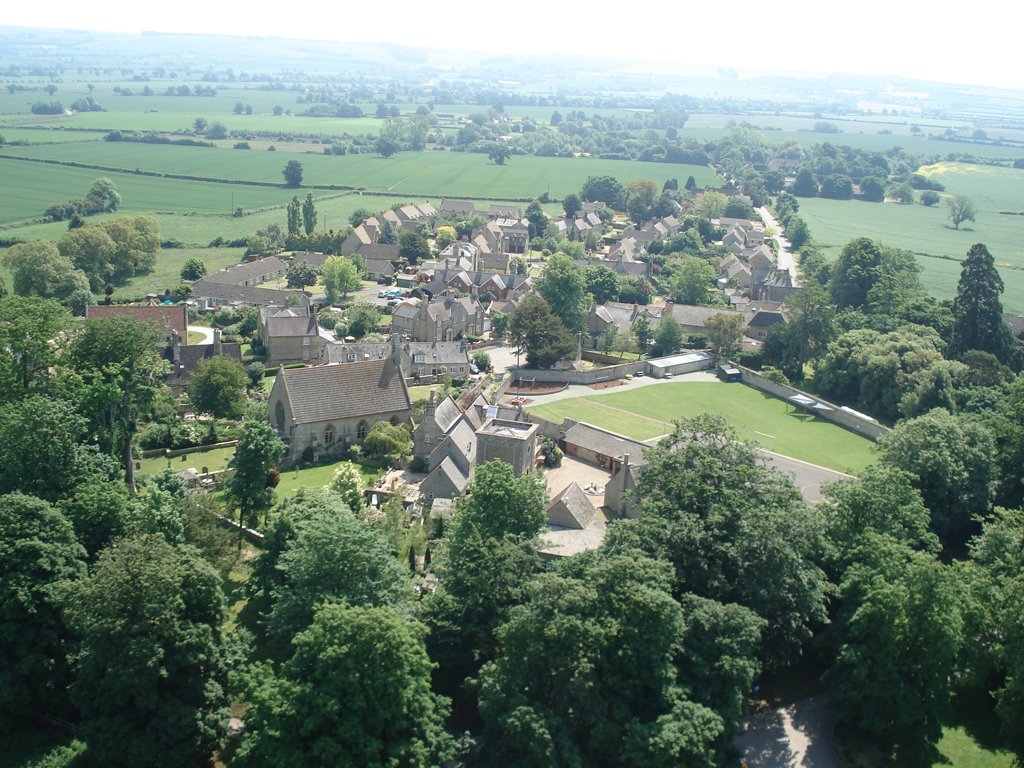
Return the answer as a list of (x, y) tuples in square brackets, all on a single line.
[(944, 167)]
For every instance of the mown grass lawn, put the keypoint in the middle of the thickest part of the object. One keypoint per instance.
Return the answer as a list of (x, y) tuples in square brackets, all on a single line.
[(646, 412), (293, 479), (214, 459)]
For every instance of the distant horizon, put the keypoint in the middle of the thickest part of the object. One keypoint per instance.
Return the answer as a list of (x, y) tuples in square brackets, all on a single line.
[(881, 40)]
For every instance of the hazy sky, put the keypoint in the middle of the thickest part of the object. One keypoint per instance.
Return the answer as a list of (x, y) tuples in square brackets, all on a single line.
[(974, 43)]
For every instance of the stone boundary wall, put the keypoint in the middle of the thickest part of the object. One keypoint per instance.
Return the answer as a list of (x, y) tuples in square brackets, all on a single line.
[(870, 429), (578, 377)]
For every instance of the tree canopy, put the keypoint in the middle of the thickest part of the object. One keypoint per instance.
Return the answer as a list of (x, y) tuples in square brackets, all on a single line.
[(733, 529), (540, 333), (218, 387), (356, 692), (977, 309), (151, 682)]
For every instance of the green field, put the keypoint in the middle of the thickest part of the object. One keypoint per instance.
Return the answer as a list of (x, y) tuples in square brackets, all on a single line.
[(647, 412), (450, 174), (927, 232)]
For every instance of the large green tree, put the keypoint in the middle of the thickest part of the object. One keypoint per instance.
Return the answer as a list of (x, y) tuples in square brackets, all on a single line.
[(356, 693), (294, 216), (218, 387), (734, 531), (39, 558), (251, 487), (586, 675), (952, 460), (693, 281), (961, 209), (862, 264), (39, 269), (564, 286), (499, 504), (881, 501), (898, 633), (42, 448), (977, 309), (117, 359), (668, 339), (30, 331), (309, 214), (339, 276), (151, 678), (292, 173), (333, 558), (540, 333)]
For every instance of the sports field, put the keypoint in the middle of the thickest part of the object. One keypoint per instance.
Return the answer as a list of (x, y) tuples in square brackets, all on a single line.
[(646, 412)]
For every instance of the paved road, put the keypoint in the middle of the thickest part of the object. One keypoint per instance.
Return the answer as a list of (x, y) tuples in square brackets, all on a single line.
[(797, 736), (786, 260)]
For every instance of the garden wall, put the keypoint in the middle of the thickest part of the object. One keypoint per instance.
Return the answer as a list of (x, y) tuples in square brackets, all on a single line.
[(608, 373), (851, 421)]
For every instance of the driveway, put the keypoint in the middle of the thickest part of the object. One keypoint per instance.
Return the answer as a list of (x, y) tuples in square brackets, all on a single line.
[(786, 259), (207, 333), (797, 736)]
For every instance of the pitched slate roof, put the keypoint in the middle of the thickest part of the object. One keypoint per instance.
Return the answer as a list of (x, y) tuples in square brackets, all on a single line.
[(571, 509), (313, 258), (278, 326), (446, 475), (245, 294), (328, 392), (602, 441), (457, 206), (338, 352), (243, 272), (445, 413)]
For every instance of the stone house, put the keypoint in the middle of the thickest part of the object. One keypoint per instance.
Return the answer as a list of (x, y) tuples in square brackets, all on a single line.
[(292, 335), (320, 411), (445, 319)]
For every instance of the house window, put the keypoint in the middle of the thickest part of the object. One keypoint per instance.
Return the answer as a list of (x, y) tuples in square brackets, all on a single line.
[(428, 440), (760, 333), (361, 430), (462, 369), (305, 341), (351, 357), (329, 435), (419, 358), (279, 415)]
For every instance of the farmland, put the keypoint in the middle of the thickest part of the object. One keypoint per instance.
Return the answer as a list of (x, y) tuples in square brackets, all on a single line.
[(452, 174), (927, 231), (647, 412)]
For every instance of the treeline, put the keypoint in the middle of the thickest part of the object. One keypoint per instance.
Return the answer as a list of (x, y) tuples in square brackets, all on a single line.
[(102, 197), (84, 260)]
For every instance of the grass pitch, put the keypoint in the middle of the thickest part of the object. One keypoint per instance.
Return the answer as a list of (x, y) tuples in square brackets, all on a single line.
[(647, 412)]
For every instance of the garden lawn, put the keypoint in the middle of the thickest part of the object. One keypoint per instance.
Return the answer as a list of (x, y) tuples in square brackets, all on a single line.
[(647, 412), (960, 750), (293, 479), (214, 459)]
